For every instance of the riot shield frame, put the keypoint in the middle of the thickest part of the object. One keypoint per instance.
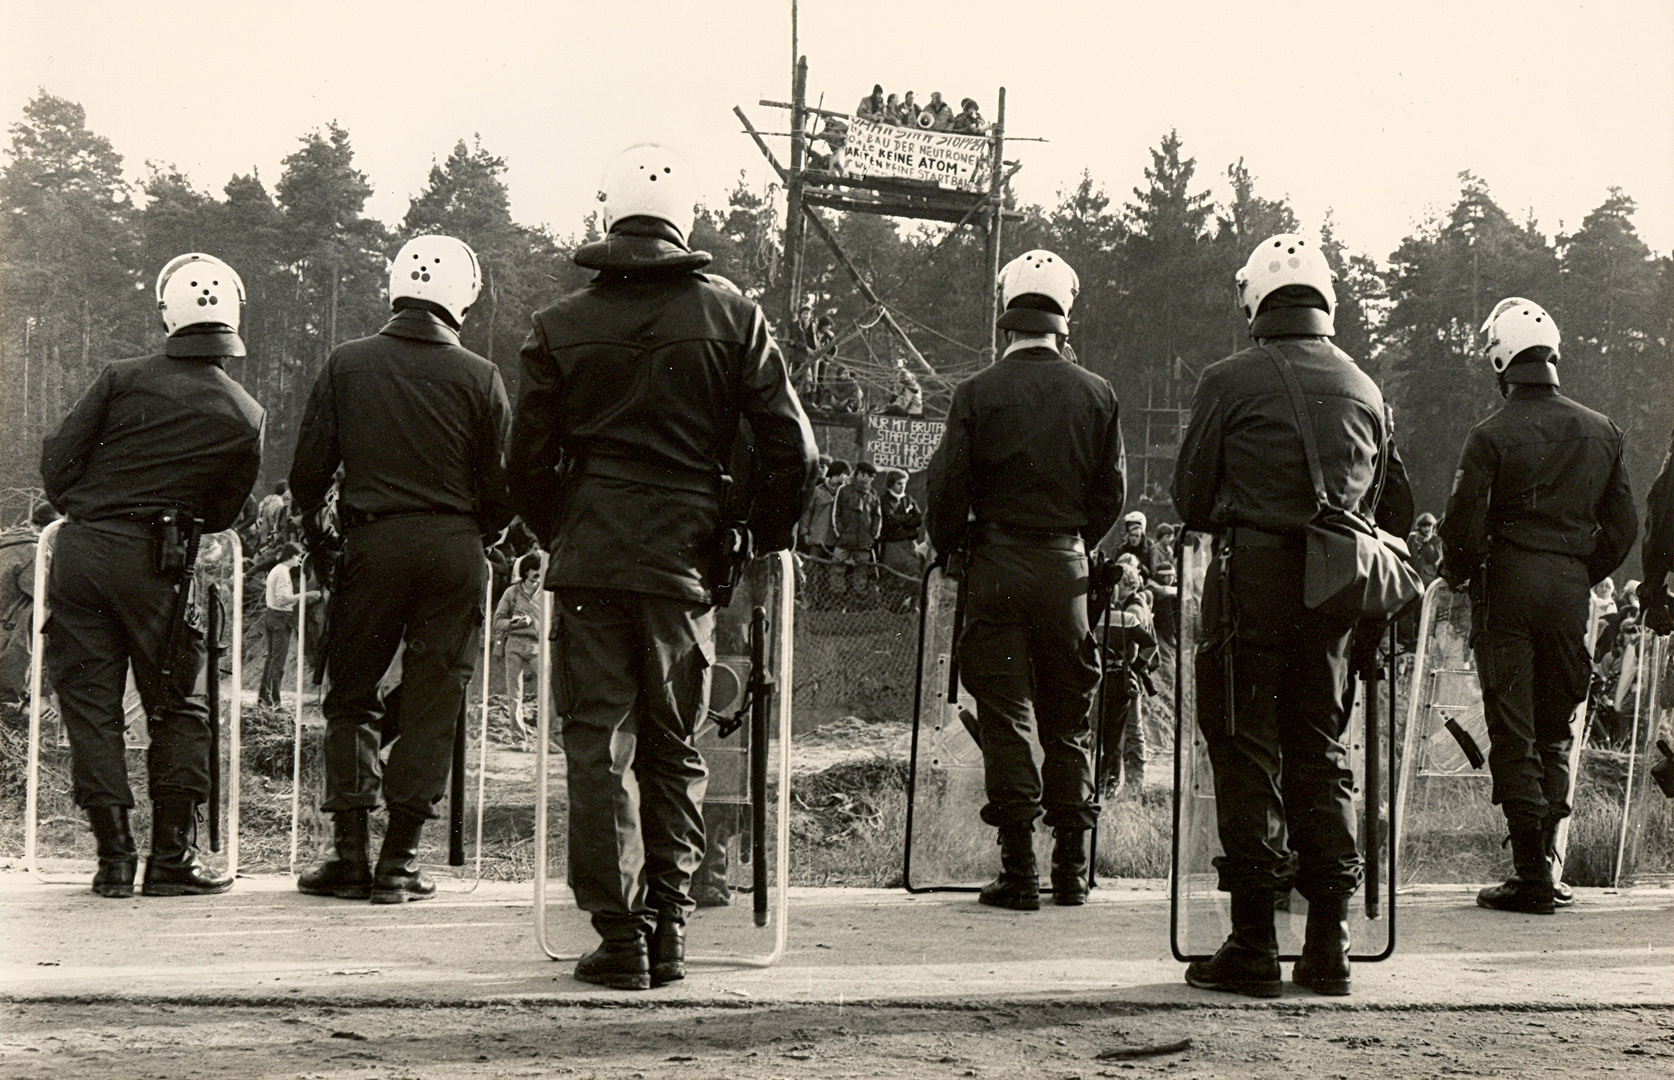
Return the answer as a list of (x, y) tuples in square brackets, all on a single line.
[(1177, 870), (456, 783), (37, 642), (779, 686), (1415, 704), (952, 698), (1644, 705)]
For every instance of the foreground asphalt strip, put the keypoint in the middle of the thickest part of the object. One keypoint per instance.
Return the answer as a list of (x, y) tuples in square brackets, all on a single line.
[(1127, 1053)]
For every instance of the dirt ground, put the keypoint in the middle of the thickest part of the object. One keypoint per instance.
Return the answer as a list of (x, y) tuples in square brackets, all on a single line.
[(125, 1040)]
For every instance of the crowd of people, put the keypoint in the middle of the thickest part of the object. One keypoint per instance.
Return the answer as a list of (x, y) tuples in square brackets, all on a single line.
[(904, 110), (858, 548), (414, 477)]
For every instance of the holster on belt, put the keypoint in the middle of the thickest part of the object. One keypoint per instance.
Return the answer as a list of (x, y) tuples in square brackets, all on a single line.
[(178, 536)]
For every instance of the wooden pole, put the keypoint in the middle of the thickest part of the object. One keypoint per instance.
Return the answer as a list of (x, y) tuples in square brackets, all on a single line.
[(793, 194), (992, 262), (866, 291), (836, 251)]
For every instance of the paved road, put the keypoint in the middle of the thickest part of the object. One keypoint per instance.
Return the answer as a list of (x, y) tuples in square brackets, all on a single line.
[(265, 943)]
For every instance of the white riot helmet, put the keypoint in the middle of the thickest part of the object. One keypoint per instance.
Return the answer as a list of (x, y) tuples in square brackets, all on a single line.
[(1038, 289), (440, 269), (651, 181), (1514, 325), (196, 288), (1285, 259)]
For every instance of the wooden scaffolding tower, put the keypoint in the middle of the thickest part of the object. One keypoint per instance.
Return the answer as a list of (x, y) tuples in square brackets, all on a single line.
[(810, 189)]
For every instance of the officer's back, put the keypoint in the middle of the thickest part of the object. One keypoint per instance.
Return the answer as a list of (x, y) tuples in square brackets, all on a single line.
[(1552, 456), (168, 430), (1257, 473), (627, 393), (1040, 429), (416, 421)]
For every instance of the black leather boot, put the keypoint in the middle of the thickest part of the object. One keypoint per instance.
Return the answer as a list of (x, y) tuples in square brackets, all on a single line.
[(118, 858), (1069, 866), (1529, 888), (1248, 962), (1324, 966), (668, 950), (397, 879), (349, 875), (622, 962), (1018, 886), (1562, 895), (173, 867)]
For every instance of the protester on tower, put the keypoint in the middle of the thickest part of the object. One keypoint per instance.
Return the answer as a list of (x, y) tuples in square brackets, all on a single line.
[(969, 121), (941, 113), (872, 106)]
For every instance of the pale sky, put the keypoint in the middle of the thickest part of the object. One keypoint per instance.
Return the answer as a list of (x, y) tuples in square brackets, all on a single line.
[(1370, 110)]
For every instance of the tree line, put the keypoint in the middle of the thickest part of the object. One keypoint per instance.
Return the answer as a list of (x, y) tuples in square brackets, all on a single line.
[(80, 248)]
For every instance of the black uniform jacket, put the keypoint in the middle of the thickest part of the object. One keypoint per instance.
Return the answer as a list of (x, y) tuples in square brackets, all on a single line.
[(172, 430), (417, 422), (1543, 473), (1242, 461), (632, 392), (1033, 443)]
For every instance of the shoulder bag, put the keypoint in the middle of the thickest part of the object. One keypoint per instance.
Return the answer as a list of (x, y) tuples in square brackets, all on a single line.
[(1353, 569)]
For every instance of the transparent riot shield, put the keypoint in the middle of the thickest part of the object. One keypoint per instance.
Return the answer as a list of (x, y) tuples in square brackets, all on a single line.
[(947, 848), (1199, 919), (742, 884), (1643, 848), (1449, 829), (442, 851), (216, 583)]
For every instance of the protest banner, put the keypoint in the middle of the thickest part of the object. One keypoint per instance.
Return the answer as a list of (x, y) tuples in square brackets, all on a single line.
[(960, 162)]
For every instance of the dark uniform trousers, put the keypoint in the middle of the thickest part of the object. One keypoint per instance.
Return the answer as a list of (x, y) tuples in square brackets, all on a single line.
[(1026, 639), (111, 606), (1282, 779), (416, 578), (632, 685), (1531, 657)]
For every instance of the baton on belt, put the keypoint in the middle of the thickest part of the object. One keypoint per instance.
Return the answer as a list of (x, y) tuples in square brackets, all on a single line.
[(958, 625), (1369, 799), (212, 684), (760, 703)]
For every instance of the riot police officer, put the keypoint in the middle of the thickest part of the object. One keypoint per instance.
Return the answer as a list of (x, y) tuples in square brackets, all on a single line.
[(1282, 781), (632, 393), (1540, 512), (417, 424), (158, 448), (1029, 474)]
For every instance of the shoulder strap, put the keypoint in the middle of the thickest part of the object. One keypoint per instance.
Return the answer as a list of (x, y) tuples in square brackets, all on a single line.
[(1303, 422)]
